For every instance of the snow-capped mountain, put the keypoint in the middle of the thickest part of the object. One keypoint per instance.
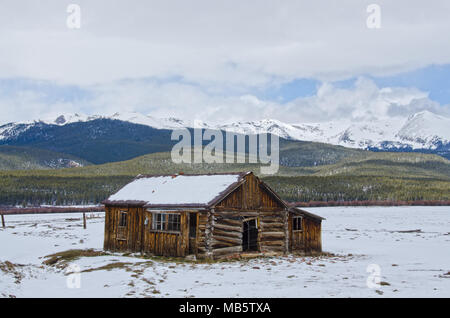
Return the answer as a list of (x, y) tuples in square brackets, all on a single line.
[(423, 130), (426, 128)]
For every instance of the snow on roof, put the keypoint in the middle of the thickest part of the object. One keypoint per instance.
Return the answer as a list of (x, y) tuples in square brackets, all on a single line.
[(176, 189), (306, 213)]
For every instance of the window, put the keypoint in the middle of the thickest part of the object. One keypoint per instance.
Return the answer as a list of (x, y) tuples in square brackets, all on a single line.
[(174, 222), (157, 223), (122, 219), (296, 223), (166, 222)]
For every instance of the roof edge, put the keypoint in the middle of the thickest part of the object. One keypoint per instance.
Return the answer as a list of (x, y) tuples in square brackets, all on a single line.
[(181, 205), (135, 203), (306, 213), (240, 173)]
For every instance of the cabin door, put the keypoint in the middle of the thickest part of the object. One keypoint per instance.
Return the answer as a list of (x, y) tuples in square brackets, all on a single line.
[(193, 233), (250, 235)]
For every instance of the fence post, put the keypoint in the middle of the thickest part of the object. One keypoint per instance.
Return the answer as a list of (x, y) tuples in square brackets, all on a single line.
[(84, 220), (3, 221)]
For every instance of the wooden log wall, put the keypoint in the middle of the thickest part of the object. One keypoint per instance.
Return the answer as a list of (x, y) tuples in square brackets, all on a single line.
[(226, 236), (225, 223), (272, 229), (203, 233), (309, 239)]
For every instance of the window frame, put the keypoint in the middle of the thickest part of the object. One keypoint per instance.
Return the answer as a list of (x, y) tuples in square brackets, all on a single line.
[(165, 222), (297, 220), (121, 214)]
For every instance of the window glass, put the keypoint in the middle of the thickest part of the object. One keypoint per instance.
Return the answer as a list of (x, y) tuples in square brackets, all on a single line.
[(166, 222), (297, 223), (123, 219)]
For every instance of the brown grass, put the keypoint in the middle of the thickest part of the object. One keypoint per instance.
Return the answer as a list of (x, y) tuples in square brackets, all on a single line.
[(9, 268), (70, 255), (108, 267)]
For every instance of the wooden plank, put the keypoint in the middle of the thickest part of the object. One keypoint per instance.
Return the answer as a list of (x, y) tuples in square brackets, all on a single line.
[(272, 248), (265, 235), (235, 241), (227, 227), (272, 224), (227, 250), (227, 221), (227, 233), (273, 243), (217, 244), (270, 210), (278, 219)]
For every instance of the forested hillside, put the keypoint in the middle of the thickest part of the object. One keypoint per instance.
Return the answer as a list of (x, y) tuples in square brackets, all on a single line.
[(97, 141), (359, 175), (25, 158)]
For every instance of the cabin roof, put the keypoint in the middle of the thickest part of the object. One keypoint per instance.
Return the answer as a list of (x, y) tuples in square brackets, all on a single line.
[(305, 213), (179, 190)]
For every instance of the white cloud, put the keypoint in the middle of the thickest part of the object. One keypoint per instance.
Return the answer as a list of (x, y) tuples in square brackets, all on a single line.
[(222, 50), (363, 101), (29, 105), (246, 43)]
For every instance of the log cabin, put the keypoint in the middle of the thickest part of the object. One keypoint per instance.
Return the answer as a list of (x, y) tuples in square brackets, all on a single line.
[(209, 216)]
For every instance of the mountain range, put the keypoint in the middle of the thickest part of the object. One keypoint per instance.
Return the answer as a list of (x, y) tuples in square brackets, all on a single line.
[(122, 136), (322, 162)]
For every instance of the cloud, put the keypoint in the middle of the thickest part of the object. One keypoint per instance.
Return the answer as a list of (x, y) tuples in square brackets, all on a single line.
[(208, 60), (363, 100), (30, 105), (252, 43)]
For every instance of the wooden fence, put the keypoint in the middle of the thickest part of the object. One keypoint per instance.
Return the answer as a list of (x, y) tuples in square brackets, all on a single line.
[(49, 210)]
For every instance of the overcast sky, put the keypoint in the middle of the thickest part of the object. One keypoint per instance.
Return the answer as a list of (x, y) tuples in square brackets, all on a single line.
[(217, 60)]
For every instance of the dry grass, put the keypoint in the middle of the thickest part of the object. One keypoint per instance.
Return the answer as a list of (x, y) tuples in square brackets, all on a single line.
[(108, 267), (9, 268), (70, 255)]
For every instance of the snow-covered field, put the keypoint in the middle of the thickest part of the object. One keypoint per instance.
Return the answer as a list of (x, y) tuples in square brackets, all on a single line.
[(364, 240)]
